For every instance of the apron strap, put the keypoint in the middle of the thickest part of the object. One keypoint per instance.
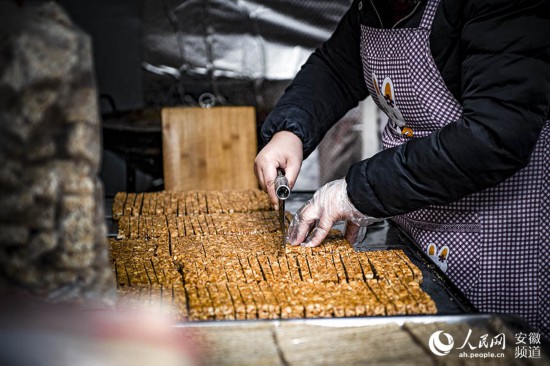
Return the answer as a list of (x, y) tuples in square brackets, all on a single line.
[(429, 14)]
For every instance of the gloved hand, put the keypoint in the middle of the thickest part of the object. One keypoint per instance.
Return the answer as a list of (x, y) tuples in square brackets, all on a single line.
[(329, 205), (283, 151)]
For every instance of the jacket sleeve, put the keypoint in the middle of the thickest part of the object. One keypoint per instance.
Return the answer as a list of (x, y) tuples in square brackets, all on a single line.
[(328, 85), (505, 76)]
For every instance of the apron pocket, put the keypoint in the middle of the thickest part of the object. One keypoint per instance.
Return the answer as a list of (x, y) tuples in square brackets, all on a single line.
[(451, 239)]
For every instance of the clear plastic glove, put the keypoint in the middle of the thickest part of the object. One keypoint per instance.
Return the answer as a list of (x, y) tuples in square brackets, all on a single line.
[(284, 151), (329, 205)]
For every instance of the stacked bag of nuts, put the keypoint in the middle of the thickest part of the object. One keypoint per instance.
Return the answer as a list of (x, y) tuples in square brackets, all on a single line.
[(52, 231)]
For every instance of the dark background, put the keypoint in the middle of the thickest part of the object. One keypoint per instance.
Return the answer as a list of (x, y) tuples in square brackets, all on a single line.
[(154, 53)]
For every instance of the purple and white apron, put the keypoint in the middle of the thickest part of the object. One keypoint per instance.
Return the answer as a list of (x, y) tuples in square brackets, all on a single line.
[(494, 245)]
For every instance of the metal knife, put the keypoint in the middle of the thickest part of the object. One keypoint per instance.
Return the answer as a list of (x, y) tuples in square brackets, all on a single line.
[(282, 191)]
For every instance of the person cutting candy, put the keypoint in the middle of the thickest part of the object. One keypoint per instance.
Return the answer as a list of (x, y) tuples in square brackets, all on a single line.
[(465, 168)]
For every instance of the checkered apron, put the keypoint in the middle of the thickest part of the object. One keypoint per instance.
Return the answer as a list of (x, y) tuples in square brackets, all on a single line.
[(494, 245)]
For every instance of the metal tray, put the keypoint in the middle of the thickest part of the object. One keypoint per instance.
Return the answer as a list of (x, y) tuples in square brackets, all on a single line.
[(374, 340), (382, 235)]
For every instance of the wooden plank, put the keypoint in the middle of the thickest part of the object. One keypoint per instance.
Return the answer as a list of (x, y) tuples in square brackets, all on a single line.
[(236, 345), (209, 149), (384, 344)]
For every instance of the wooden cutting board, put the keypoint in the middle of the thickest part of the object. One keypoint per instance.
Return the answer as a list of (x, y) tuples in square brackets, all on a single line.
[(209, 149)]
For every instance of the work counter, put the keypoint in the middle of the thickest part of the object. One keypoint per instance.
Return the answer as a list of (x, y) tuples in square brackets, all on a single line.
[(458, 333)]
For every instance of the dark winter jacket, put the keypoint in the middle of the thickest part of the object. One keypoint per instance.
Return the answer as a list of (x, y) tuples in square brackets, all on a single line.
[(494, 56)]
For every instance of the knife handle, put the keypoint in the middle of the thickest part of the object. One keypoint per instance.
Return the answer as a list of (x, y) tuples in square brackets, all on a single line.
[(282, 190)]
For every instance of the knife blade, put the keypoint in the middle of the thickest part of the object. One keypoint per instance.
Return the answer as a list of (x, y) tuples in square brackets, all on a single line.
[(282, 222), (282, 191)]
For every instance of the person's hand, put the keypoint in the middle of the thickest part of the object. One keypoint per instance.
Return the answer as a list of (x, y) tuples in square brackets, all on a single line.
[(329, 205), (285, 152)]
